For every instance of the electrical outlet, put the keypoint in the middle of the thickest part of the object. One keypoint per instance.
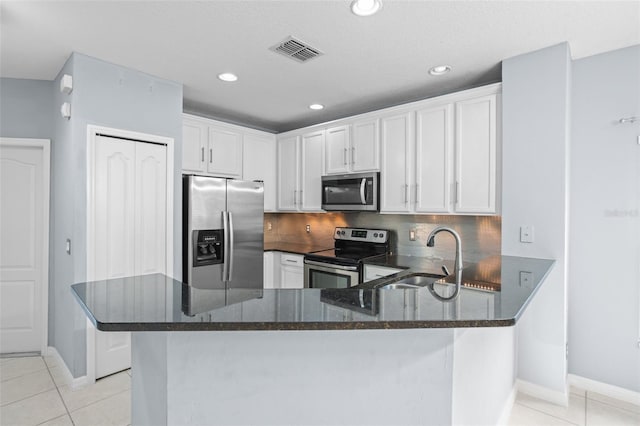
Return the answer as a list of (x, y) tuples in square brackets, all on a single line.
[(412, 235), (526, 234), (308, 227), (526, 279), (269, 226)]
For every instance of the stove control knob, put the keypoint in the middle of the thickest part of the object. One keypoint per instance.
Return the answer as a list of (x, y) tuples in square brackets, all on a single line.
[(375, 235), (342, 232)]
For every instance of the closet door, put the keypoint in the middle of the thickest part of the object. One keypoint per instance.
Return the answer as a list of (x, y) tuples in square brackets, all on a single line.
[(150, 209), (129, 228)]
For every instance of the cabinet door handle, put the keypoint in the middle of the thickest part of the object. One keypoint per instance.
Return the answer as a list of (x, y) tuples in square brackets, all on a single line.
[(344, 157), (202, 154), (300, 198), (417, 185), (211, 155), (295, 197), (353, 155), (457, 191), (406, 194)]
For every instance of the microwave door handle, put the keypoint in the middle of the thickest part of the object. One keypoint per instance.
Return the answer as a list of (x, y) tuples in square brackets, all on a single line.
[(363, 197)]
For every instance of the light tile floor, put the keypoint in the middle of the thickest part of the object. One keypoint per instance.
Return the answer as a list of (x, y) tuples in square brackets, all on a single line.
[(33, 391)]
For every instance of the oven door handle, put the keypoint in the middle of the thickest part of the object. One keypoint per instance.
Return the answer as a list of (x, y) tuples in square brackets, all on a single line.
[(331, 265)]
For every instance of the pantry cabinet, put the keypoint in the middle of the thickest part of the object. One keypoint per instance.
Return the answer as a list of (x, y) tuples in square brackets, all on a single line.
[(300, 168)]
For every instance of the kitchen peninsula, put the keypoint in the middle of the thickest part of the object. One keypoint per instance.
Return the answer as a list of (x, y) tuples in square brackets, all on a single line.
[(312, 356)]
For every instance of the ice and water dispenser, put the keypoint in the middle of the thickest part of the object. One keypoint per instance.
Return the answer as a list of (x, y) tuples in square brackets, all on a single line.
[(208, 247)]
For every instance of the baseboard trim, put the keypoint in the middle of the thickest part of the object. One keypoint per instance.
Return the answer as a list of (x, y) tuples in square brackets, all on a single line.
[(544, 393), (503, 420), (605, 389), (76, 382)]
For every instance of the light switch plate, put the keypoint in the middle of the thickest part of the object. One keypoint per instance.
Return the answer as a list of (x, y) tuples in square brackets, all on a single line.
[(526, 234), (526, 279)]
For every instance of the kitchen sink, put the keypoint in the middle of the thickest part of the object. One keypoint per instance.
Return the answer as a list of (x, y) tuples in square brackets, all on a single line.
[(413, 281)]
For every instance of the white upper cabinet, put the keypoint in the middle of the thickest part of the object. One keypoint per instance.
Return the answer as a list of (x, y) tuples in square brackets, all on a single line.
[(397, 152), (476, 145), (259, 163), (450, 165), (434, 155), (288, 164), (365, 146), (300, 168), (194, 145), (353, 148), (225, 152), (213, 148), (311, 171), (337, 149), (210, 147)]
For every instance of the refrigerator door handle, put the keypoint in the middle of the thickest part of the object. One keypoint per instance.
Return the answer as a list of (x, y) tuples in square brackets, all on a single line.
[(231, 244), (225, 260)]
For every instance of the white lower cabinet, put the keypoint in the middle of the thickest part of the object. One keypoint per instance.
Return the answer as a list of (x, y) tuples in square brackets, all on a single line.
[(291, 270), (373, 272), (283, 270), (268, 270)]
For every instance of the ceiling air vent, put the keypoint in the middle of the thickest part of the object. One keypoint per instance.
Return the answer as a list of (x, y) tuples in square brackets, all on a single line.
[(296, 49)]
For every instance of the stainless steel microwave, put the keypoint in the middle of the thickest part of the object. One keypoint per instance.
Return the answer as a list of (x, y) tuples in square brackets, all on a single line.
[(352, 192)]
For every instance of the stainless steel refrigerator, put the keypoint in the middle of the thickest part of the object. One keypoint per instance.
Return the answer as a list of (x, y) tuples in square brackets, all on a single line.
[(223, 233)]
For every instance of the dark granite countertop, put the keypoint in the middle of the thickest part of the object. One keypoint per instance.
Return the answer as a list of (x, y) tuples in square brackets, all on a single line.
[(159, 303), (295, 248)]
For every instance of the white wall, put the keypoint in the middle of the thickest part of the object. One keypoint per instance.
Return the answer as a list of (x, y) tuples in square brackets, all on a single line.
[(25, 108), (536, 107), (604, 261)]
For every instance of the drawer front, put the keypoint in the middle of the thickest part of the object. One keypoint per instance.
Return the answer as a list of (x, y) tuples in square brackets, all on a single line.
[(292, 259)]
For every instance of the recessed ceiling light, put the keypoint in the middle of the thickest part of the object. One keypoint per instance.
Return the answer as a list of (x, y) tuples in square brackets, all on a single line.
[(227, 76), (440, 70), (316, 106), (365, 7)]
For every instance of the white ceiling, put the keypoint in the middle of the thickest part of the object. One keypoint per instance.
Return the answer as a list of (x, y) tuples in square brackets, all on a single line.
[(368, 63)]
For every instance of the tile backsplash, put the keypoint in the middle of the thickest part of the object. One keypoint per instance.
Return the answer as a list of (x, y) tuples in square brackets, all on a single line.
[(480, 235)]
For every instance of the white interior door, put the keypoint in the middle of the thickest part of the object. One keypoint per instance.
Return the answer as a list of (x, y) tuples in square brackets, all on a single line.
[(129, 227), (24, 198)]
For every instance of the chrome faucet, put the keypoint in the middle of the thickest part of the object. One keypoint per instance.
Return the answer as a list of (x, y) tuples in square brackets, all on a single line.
[(458, 261)]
